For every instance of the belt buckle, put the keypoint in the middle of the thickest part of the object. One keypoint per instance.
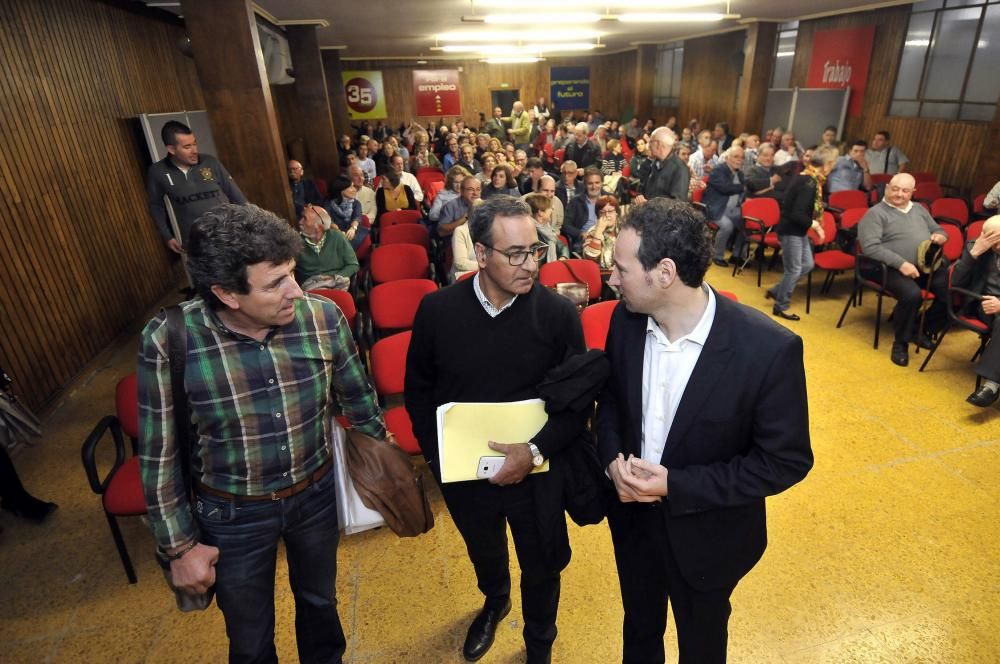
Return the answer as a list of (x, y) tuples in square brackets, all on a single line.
[(275, 496)]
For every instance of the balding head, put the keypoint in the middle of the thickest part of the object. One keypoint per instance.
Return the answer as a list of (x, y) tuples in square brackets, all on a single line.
[(992, 226), (518, 107), (661, 143), (294, 170), (900, 190), (357, 175), (547, 186)]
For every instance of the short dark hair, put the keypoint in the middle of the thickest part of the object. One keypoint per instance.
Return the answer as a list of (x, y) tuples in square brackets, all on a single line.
[(483, 214), (338, 186), (724, 126), (506, 170), (675, 230), (884, 133), (392, 177), (592, 170), (831, 128), (226, 240), (168, 134), (862, 142), (534, 162)]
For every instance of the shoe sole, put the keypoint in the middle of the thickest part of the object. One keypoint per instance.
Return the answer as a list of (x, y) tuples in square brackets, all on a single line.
[(492, 639)]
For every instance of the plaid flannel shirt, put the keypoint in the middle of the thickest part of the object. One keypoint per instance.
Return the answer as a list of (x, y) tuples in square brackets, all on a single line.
[(260, 409)]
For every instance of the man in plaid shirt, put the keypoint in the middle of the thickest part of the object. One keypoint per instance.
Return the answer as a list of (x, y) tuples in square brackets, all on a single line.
[(264, 363)]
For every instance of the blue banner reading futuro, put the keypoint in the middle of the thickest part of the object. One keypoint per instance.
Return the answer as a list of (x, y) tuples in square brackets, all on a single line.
[(571, 88)]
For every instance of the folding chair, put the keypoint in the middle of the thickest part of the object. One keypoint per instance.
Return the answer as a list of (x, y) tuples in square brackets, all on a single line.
[(388, 358), (958, 319), (830, 258), (760, 216), (392, 306), (589, 271), (596, 320)]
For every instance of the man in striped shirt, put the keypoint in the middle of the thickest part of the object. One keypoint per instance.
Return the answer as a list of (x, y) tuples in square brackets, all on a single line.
[(264, 363)]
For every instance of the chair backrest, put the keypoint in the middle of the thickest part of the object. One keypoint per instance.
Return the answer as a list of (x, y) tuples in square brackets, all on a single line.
[(764, 209), (924, 176), (398, 261), (467, 275), (977, 205), (727, 294), (342, 299), (849, 218), (364, 249), (588, 271), (697, 194), (880, 178), (928, 191), (430, 172), (829, 231), (560, 155), (405, 234), (127, 405), (393, 305), (853, 198), (953, 209), (377, 182), (431, 191), (388, 357), (394, 217), (596, 319), (953, 247), (974, 230), (627, 170)]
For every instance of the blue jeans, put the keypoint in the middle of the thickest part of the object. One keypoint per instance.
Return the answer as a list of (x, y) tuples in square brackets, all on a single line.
[(796, 254), (247, 535), (731, 220)]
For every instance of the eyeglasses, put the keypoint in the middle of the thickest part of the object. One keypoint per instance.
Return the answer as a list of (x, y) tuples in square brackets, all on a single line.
[(609, 213), (518, 258)]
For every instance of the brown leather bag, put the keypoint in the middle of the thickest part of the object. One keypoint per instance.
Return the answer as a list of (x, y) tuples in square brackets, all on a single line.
[(388, 483)]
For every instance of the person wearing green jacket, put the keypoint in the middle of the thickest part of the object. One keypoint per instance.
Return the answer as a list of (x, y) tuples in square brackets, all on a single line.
[(327, 259)]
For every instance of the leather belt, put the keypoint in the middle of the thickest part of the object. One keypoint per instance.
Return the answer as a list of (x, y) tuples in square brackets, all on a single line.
[(287, 492)]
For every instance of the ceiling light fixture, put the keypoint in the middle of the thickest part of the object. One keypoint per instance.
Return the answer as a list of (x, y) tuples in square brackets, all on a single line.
[(507, 36), (515, 48), (534, 19), (597, 4), (665, 17), (510, 61)]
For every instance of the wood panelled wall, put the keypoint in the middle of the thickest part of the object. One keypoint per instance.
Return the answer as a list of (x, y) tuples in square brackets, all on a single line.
[(950, 149), (612, 83), (712, 68), (79, 256)]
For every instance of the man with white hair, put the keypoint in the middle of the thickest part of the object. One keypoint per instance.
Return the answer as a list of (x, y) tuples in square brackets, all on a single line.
[(978, 270), (547, 186), (397, 162), (365, 195), (663, 174), (520, 126), (891, 233), (582, 150)]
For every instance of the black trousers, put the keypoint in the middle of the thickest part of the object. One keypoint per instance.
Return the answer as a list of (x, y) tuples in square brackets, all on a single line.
[(649, 578), (907, 292), (481, 511), (989, 362)]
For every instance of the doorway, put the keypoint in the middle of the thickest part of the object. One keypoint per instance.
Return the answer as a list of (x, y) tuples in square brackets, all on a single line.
[(504, 99)]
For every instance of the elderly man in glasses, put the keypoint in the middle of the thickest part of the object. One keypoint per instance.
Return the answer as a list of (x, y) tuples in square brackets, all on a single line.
[(493, 338)]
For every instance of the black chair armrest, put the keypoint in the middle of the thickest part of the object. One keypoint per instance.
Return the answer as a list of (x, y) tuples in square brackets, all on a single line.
[(834, 210), (966, 292), (948, 220), (89, 449), (862, 261)]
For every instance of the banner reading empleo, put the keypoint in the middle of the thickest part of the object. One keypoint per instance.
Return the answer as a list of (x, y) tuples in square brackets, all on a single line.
[(570, 88), (840, 58), (363, 91), (436, 92)]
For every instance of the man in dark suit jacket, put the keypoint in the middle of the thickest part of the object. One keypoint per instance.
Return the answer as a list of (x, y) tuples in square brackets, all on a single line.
[(663, 174), (705, 414), (496, 127), (978, 271)]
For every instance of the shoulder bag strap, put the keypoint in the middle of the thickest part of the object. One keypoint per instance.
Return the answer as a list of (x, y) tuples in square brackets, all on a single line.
[(572, 273), (177, 356)]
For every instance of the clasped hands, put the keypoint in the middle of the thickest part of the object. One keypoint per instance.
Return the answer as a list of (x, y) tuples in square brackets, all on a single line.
[(637, 480)]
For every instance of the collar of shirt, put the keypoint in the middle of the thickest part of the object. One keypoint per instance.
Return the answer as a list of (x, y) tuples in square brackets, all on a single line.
[(214, 321), (485, 301), (698, 335), (904, 210)]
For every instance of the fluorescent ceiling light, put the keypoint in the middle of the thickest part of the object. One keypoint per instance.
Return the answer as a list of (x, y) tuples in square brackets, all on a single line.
[(511, 48), (918, 42), (510, 61), (662, 17), (784, 54), (532, 5), (536, 18), (507, 36)]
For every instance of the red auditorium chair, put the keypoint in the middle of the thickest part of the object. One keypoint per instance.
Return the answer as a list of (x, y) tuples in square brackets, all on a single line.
[(388, 358), (345, 301), (398, 261), (405, 234), (431, 192), (467, 275), (558, 272), (979, 210), (958, 319), (927, 192), (830, 258), (728, 295), (950, 211), (394, 217), (844, 200), (760, 216), (924, 176), (955, 243), (596, 319), (393, 305), (974, 230), (121, 489)]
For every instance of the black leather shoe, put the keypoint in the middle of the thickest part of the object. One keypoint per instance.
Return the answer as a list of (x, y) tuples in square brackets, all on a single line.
[(984, 397), (900, 355), (924, 342), (721, 262), (482, 631), (768, 295), (31, 509), (784, 314)]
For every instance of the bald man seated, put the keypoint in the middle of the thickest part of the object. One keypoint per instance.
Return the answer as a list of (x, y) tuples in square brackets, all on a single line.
[(891, 233)]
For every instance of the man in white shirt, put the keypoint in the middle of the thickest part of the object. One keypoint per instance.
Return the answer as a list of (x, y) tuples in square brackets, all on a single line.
[(704, 415), (885, 158), (366, 163), (407, 178), (365, 195), (790, 150), (703, 160)]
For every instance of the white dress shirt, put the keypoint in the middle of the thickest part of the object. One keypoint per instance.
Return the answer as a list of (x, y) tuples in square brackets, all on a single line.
[(666, 369), (485, 301), (410, 180)]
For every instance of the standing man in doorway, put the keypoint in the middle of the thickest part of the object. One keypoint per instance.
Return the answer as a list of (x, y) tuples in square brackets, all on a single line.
[(195, 183)]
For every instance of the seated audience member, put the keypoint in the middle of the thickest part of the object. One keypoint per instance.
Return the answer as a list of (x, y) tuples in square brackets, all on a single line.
[(764, 179), (456, 212), (885, 158), (366, 163), (851, 171), (423, 158), (684, 155), (689, 139), (365, 194), (978, 270), (495, 145), (400, 149), (519, 166), (829, 138), (776, 135), (533, 172), (583, 151), (601, 137), (383, 158), (489, 162), (304, 190), (639, 158), (751, 145), (463, 251), (327, 259), (722, 136), (891, 233), (704, 160), (790, 150), (394, 195), (633, 131), (482, 145), (613, 161), (501, 182), (468, 159), (345, 147), (13, 496), (664, 174), (547, 186), (541, 213), (599, 241), (452, 190), (801, 210), (563, 138), (345, 211), (581, 212), (992, 200), (409, 179), (453, 155), (724, 195), (569, 187)]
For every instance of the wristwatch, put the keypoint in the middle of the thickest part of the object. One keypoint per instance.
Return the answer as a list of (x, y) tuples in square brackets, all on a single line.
[(536, 455)]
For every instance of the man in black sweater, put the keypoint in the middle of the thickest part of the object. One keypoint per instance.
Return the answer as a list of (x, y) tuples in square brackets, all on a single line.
[(493, 338), (663, 174)]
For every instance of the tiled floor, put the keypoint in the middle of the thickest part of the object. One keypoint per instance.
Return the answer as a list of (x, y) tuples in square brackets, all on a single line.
[(887, 552)]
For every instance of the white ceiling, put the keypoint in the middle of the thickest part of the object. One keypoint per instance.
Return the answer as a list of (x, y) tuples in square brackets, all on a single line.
[(406, 28)]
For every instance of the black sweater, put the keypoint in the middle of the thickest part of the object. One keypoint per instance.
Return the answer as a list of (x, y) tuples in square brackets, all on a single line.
[(459, 353), (797, 206)]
